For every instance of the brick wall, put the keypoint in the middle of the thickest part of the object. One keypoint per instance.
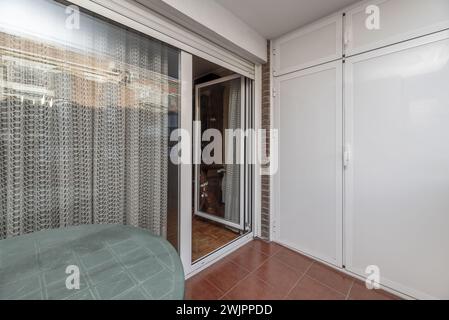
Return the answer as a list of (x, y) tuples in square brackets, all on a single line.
[(266, 124)]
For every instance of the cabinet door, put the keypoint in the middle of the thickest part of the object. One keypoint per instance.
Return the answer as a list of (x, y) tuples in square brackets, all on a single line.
[(399, 20), (397, 181), (308, 186), (315, 44)]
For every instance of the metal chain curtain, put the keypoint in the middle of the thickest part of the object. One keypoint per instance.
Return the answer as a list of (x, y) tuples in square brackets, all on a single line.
[(83, 135)]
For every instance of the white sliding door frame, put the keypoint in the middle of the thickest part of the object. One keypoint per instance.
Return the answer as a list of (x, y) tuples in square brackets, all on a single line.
[(256, 178), (277, 226), (185, 180), (185, 185)]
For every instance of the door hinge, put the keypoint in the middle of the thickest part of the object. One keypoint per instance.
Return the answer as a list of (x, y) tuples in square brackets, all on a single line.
[(274, 93)]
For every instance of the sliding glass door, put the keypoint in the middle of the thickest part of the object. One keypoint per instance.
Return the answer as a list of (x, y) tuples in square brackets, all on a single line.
[(86, 107), (219, 178)]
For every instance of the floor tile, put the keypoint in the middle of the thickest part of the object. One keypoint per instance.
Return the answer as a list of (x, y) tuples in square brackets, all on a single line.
[(266, 271), (253, 288), (224, 275), (248, 258), (293, 259), (310, 289), (198, 288), (282, 277), (360, 292), (330, 277), (268, 248)]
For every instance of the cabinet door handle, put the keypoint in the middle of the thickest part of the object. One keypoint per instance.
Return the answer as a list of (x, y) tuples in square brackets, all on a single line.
[(346, 155)]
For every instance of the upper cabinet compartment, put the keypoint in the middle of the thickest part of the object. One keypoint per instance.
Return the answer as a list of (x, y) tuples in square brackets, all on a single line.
[(315, 44), (398, 20)]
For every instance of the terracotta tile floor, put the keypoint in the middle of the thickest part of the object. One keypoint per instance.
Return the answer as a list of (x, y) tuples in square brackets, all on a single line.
[(265, 271)]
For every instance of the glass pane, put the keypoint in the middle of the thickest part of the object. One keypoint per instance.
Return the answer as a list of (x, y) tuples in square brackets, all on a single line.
[(219, 187), (86, 108)]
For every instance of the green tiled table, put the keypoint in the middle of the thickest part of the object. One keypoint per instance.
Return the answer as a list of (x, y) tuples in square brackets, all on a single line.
[(115, 262)]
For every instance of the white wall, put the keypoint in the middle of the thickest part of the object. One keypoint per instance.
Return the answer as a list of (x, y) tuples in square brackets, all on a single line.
[(215, 22)]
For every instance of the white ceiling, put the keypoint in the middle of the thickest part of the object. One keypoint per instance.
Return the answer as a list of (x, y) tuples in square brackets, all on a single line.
[(273, 18)]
